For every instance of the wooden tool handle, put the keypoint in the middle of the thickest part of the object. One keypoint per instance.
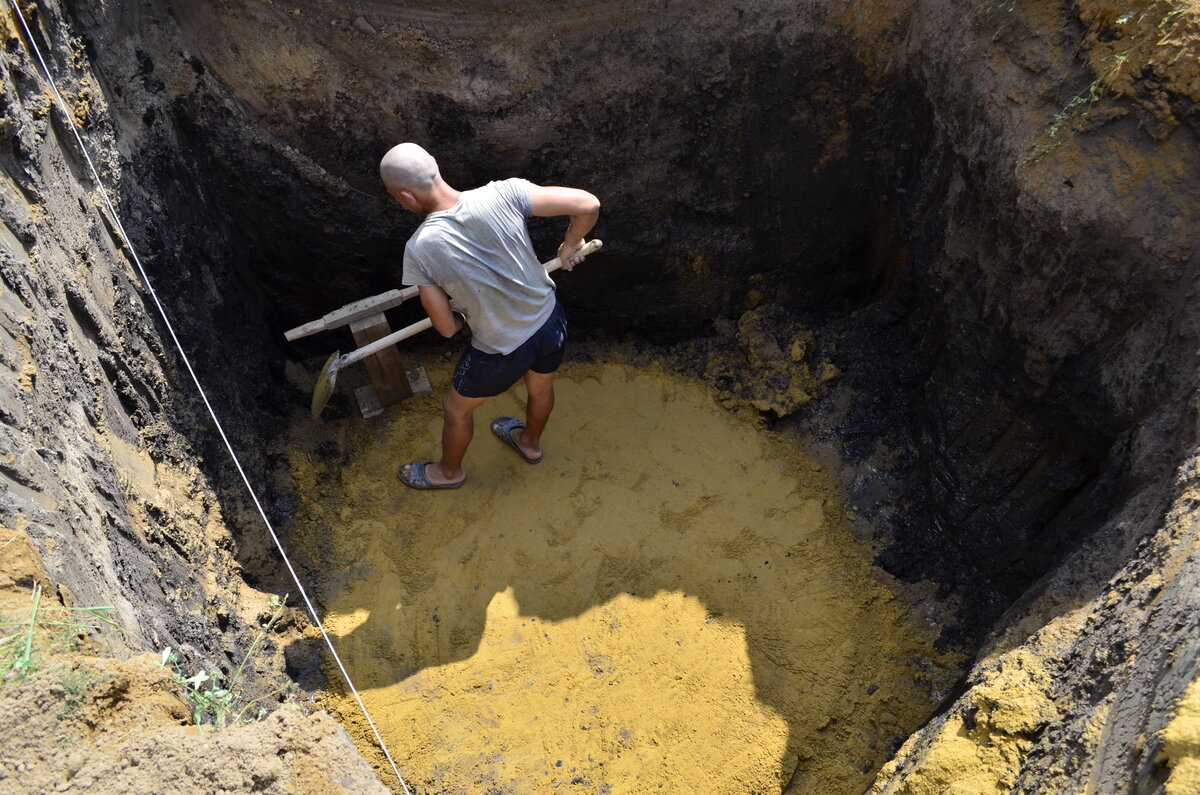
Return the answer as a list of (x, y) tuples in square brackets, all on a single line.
[(591, 247)]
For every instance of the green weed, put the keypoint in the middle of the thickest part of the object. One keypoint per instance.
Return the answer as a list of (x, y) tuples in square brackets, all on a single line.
[(47, 629), (220, 705), (1076, 111), (1162, 23)]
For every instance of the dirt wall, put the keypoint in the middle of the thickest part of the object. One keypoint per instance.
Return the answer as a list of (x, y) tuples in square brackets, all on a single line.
[(1054, 231), (102, 469), (767, 164)]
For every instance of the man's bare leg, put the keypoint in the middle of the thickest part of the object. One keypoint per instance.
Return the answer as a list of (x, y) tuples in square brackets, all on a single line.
[(458, 426), (537, 411)]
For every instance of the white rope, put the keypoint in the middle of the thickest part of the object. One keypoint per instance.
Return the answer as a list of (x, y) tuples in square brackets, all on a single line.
[(221, 430)]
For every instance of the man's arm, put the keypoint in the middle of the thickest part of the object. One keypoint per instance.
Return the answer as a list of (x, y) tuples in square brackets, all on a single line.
[(583, 209), (447, 321)]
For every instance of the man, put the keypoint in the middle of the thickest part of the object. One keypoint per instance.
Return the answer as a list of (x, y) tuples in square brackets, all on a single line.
[(474, 263)]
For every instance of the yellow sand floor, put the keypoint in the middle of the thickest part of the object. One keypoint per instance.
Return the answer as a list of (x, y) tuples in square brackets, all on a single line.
[(669, 602)]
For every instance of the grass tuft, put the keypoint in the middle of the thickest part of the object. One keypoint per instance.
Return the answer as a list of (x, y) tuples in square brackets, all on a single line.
[(24, 648)]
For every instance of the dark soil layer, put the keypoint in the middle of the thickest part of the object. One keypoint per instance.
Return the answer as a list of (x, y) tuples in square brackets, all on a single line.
[(984, 212)]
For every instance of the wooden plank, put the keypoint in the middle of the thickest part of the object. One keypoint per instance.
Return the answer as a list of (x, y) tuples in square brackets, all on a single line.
[(358, 310), (418, 381), (385, 368), (368, 402)]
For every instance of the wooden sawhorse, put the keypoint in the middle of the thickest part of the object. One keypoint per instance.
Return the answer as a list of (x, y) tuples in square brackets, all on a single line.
[(391, 381)]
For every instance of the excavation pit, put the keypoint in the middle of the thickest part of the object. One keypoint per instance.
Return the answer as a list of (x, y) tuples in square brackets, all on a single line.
[(980, 216), (671, 601)]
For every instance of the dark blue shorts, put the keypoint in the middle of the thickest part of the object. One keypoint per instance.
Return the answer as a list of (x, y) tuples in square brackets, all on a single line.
[(480, 374)]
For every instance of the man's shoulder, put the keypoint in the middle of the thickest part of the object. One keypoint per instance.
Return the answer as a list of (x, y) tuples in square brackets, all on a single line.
[(512, 184), (514, 190), (420, 257), (426, 233), (423, 242), (508, 184)]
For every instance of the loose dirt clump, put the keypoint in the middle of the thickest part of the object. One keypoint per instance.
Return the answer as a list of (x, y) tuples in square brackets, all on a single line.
[(773, 367), (92, 724), (982, 748)]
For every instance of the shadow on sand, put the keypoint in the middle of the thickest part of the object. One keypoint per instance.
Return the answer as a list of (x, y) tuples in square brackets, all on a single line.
[(668, 603)]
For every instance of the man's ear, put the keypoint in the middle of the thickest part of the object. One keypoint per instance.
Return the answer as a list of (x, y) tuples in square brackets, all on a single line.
[(411, 202), (407, 199)]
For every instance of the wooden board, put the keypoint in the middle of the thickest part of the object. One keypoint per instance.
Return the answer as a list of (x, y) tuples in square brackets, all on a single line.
[(368, 401), (359, 310), (418, 381), (385, 369)]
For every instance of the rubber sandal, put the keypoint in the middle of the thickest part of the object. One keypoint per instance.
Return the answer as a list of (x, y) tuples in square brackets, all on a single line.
[(416, 478), (504, 428)]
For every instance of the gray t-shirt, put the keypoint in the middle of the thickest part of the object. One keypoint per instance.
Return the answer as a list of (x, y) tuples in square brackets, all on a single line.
[(479, 252)]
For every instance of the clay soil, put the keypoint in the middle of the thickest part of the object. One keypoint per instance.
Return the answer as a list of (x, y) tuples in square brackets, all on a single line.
[(74, 717), (670, 602)]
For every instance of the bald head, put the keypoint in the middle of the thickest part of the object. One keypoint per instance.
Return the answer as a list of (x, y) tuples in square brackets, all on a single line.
[(408, 167)]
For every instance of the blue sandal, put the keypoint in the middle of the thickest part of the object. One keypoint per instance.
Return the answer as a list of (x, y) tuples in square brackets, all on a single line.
[(504, 428), (416, 477)]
